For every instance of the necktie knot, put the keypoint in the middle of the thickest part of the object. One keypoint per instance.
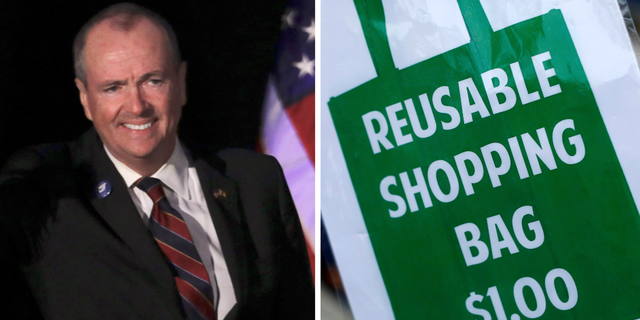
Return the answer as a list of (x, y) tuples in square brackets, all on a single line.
[(152, 186)]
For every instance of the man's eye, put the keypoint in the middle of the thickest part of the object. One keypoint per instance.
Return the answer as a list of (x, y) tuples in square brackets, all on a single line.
[(111, 89), (155, 82)]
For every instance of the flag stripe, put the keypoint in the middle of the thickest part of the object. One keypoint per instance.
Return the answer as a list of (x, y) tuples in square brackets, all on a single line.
[(302, 116), (288, 124), (279, 139)]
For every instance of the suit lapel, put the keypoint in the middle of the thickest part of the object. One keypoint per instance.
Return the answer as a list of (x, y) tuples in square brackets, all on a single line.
[(221, 195), (119, 213)]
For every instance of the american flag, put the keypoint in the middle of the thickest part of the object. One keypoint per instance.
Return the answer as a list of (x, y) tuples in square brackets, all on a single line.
[(288, 119)]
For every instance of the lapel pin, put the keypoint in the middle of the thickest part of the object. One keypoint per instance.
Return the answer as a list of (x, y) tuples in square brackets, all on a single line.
[(219, 193), (103, 189)]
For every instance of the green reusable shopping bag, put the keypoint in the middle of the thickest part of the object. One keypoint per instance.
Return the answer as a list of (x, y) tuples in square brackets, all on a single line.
[(487, 180)]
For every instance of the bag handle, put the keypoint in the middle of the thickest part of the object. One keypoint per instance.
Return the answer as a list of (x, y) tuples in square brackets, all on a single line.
[(371, 15)]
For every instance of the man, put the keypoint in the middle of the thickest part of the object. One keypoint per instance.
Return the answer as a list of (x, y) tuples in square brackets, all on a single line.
[(93, 236)]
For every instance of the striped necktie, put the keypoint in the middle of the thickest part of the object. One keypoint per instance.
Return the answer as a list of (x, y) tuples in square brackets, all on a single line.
[(173, 237)]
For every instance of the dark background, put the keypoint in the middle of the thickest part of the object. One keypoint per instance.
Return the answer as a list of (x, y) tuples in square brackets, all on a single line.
[(229, 47)]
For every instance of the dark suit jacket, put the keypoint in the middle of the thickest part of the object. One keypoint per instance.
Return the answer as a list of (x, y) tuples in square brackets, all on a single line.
[(85, 257)]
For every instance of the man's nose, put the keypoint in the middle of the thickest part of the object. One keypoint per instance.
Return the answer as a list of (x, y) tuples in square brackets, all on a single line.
[(137, 101)]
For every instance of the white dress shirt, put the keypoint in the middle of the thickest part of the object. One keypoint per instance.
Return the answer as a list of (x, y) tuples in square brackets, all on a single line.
[(183, 190)]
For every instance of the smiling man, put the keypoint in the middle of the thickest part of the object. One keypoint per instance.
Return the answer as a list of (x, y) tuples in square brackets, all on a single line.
[(129, 223), (133, 89)]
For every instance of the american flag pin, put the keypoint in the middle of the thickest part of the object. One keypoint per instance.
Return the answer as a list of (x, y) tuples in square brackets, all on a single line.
[(219, 193)]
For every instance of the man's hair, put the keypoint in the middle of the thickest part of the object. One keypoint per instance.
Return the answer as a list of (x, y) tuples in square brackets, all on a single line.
[(124, 17)]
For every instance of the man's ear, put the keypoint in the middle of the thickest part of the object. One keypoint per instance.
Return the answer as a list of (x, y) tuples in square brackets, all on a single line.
[(83, 98), (182, 77)]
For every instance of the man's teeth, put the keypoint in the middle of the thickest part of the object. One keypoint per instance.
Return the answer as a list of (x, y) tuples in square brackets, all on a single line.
[(138, 127)]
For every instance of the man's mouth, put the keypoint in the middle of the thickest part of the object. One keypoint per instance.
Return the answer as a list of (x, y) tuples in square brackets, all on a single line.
[(138, 127)]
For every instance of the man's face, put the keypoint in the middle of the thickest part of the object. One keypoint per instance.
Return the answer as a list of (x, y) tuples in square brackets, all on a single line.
[(134, 91)]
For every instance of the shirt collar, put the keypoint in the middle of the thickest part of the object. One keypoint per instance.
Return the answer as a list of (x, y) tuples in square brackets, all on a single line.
[(174, 173)]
